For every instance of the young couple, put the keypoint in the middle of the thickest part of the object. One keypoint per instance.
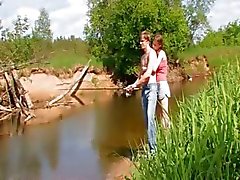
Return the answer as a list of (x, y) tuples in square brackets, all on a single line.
[(153, 79)]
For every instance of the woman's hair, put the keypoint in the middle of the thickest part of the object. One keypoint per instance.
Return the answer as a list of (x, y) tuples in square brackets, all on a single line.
[(146, 35), (159, 39)]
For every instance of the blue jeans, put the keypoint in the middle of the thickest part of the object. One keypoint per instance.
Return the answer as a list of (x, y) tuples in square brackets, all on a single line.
[(149, 102)]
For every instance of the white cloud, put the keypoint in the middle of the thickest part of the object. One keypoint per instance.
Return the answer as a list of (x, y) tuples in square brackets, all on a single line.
[(68, 17), (70, 20), (28, 11), (223, 12)]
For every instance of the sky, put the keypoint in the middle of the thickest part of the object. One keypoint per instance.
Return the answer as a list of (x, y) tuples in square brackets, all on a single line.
[(68, 17)]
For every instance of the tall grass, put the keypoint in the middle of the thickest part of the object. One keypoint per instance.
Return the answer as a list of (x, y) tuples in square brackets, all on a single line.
[(204, 142)]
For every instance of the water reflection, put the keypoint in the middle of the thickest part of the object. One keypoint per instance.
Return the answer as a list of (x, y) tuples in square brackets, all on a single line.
[(24, 155), (118, 129), (11, 124)]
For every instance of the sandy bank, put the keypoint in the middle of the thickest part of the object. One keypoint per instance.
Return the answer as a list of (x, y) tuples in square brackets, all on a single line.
[(44, 87)]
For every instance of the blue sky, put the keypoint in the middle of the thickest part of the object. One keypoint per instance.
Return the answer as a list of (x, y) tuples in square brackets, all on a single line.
[(69, 16)]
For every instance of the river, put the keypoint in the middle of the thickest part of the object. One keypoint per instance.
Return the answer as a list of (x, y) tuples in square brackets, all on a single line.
[(83, 145)]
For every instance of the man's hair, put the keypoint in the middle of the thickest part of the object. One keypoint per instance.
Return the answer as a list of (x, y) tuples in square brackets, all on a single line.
[(146, 35), (159, 39)]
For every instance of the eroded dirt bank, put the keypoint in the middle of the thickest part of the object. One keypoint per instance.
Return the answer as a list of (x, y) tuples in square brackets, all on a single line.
[(43, 87)]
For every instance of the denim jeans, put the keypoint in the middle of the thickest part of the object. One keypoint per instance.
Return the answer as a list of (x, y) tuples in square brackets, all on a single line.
[(149, 102)]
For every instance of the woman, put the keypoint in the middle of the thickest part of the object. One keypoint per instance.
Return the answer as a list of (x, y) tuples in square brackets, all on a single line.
[(161, 78)]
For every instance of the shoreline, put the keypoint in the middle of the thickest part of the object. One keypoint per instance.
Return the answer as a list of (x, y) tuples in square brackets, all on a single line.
[(42, 88), (43, 85)]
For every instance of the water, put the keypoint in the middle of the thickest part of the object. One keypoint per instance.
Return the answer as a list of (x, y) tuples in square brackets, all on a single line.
[(82, 146)]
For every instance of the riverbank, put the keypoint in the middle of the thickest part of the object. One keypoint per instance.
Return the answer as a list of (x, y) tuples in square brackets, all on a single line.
[(43, 87), (45, 84)]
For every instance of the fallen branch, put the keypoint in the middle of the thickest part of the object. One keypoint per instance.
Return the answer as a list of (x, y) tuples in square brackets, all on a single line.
[(2, 108), (30, 116), (9, 91), (22, 93), (5, 117), (72, 87), (15, 97)]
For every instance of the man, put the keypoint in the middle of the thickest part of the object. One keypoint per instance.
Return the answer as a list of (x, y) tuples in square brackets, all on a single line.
[(147, 79)]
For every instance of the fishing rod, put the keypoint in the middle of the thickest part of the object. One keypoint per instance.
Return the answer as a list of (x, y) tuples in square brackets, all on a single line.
[(100, 88), (127, 92)]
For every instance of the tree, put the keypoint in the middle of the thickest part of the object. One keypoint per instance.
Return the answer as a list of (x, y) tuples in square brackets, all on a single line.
[(196, 14), (228, 35), (42, 35), (16, 45), (42, 26), (114, 27)]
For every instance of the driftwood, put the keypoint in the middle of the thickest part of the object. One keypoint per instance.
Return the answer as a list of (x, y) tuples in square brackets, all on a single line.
[(73, 87), (15, 94), (5, 117), (15, 103), (15, 100), (9, 91), (24, 96), (2, 108)]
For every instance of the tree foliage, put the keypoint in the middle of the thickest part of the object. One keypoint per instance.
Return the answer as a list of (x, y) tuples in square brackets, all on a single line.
[(225, 36), (16, 45), (114, 27), (20, 45), (196, 12), (42, 26)]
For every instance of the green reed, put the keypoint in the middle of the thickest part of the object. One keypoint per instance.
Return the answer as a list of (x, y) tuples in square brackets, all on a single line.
[(204, 141)]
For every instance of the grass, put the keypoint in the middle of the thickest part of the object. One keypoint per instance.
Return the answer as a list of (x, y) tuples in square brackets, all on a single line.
[(216, 55), (204, 142), (67, 55), (69, 59)]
